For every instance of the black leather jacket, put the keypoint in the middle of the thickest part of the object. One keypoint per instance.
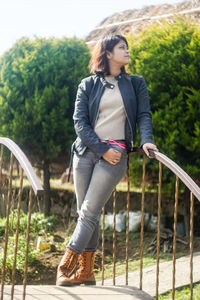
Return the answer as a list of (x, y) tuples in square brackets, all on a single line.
[(137, 108)]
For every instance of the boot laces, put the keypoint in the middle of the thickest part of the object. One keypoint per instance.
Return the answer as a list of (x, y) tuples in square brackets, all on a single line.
[(68, 260), (83, 262)]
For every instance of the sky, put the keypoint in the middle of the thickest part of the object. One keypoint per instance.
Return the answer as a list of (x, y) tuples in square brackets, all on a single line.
[(58, 18)]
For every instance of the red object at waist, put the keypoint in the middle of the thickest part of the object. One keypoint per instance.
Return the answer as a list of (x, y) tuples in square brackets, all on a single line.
[(113, 142)]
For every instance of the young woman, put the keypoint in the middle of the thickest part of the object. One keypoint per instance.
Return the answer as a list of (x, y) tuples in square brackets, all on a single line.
[(108, 106)]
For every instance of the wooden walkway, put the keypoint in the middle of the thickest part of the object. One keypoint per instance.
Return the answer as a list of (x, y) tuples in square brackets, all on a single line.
[(165, 275), (50, 292), (120, 291)]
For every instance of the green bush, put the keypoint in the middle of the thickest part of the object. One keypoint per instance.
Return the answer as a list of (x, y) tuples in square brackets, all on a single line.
[(168, 57), (20, 253), (39, 223), (38, 84)]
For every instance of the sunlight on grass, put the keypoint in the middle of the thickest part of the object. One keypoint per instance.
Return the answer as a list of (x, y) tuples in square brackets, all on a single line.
[(122, 187), (16, 182), (57, 184), (183, 293)]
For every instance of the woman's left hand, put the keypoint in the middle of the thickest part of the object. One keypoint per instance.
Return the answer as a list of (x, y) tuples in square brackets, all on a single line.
[(149, 146)]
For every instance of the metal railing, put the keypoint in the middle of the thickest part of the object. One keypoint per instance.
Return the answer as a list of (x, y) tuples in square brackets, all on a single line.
[(194, 192), (12, 159), (15, 154)]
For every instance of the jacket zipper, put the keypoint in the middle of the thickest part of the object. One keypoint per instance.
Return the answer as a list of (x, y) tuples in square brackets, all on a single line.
[(97, 112), (96, 117), (129, 126)]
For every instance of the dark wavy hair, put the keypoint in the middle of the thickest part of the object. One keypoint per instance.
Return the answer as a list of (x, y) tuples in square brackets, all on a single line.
[(99, 61)]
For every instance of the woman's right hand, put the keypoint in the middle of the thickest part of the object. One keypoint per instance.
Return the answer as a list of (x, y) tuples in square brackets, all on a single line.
[(112, 156)]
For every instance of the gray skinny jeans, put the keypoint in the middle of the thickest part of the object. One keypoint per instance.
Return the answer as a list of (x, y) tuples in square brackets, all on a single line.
[(94, 181)]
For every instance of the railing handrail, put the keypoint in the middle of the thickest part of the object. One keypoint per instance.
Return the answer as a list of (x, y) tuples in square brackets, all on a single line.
[(185, 178), (25, 164)]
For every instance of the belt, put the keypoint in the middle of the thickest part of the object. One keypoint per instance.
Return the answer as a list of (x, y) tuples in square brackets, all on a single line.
[(113, 142)]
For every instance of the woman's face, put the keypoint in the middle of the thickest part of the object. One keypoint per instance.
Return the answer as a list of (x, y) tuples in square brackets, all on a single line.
[(119, 55)]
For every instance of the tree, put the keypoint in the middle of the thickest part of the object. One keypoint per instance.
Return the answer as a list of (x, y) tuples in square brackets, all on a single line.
[(38, 83), (168, 56)]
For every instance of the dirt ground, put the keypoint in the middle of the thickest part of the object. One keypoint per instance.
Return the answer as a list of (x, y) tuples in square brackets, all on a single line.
[(43, 271)]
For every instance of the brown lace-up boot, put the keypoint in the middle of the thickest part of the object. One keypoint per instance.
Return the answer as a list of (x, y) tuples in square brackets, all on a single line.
[(85, 274), (67, 266)]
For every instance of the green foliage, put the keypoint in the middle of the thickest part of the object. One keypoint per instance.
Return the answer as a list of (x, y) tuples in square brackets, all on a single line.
[(39, 223), (20, 254), (183, 293), (168, 57), (39, 226), (38, 83)]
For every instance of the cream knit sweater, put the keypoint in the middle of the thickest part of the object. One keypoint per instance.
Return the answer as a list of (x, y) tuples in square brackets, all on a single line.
[(110, 124)]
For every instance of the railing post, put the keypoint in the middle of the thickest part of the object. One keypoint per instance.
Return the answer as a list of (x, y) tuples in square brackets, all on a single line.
[(174, 239), (142, 220), (158, 229), (191, 242), (114, 235), (103, 244), (1, 164), (17, 232), (7, 224), (27, 242), (127, 217)]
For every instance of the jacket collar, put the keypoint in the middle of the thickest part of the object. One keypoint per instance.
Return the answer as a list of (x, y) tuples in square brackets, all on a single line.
[(106, 83)]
